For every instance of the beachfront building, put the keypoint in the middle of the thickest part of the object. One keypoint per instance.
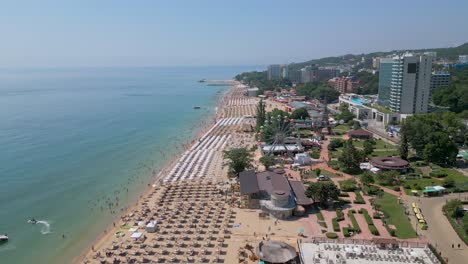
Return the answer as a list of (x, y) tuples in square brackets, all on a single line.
[(345, 84), (271, 192), (295, 76), (368, 113), (252, 92), (438, 80), (274, 72), (404, 83), (462, 59), (376, 250)]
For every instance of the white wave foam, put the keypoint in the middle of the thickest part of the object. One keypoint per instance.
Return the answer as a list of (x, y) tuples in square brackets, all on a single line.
[(45, 227)]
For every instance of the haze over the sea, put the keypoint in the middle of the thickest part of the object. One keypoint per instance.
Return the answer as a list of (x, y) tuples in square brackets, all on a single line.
[(73, 140)]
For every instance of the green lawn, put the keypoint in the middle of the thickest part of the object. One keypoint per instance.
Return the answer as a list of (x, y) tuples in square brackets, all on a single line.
[(461, 181), (380, 144), (342, 128), (395, 214), (385, 153)]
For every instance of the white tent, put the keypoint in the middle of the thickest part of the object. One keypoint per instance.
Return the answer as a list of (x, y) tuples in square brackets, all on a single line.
[(151, 227), (136, 235)]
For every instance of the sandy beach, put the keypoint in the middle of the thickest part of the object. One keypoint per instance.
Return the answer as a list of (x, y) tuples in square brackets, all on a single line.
[(193, 183)]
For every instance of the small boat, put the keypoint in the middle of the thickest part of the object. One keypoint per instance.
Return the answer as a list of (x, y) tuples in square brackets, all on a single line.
[(196, 107), (32, 221), (202, 81), (3, 238)]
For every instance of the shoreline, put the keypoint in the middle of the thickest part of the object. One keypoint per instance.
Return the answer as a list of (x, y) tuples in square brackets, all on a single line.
[(111, 227)]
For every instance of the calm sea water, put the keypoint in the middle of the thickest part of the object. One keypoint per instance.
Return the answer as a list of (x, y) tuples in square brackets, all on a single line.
[(72, 141)]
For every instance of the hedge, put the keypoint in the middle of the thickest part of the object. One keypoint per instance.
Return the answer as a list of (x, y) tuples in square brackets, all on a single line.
[(339, 215), (331, 235), (320, 216), (346, 232), (336, 226), (367, 217), (359, 199), (370, 223), (438, 174), (374, 230), (353, 221), (343, 194), (322, 224)]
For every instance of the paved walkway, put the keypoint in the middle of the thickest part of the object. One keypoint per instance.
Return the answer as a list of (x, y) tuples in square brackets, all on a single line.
[(440, 232)]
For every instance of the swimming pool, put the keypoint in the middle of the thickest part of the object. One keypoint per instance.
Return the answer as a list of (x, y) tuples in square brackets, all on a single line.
[(357, 101)]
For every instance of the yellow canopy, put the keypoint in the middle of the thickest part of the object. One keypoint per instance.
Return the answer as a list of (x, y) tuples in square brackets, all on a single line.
[(416, 210), (419, 216), (414, 205)]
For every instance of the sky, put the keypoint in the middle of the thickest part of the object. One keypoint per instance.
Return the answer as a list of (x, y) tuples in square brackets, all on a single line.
[(105, 33)]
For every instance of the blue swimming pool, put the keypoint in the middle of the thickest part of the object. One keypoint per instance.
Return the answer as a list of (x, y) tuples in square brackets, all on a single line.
[(357, 101)]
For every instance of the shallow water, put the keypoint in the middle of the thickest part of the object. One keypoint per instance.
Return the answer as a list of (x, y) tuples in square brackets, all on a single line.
[(78, 144)]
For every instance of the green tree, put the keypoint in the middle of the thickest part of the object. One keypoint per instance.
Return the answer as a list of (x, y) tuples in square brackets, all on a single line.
[(440, 149), (345, 114), (261, 115), (453, 208), (322, 192), (368, 147), (434, 136), (388, 178), (367, 178), (300, 113), (403, 148), (239, 159), (267, 161), (350, 157), (335, 143), (318, 171)]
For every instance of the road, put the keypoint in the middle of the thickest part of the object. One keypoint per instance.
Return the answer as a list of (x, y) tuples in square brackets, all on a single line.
[(440, 232)]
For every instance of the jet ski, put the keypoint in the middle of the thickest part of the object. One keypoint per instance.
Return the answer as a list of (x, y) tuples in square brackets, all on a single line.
[(3, 238), (32, 221)]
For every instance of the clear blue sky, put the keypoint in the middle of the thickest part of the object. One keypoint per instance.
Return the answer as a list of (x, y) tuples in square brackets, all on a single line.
[(218, 32)]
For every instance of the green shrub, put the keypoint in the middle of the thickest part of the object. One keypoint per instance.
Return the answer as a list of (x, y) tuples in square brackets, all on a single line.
[(438, 174), (374, 230), (336, 226), (315, 154), (343, 194), (407, 186), (354, 221), (396, 188), (320, 216), (323, 224), (324, 231), (341, 202), (359, 199), (339, 215), (331, 235), (360, 211), (367, 217), (348, 185), (346, 232), (376, 216)]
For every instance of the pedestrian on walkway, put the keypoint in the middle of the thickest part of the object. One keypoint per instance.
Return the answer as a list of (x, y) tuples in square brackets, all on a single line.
[(458, 246), (452, 245)]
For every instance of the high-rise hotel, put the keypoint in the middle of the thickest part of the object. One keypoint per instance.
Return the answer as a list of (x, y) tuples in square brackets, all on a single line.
[(404, 83)]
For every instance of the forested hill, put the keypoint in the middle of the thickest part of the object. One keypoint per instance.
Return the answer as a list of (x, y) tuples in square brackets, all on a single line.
[(447, 53)]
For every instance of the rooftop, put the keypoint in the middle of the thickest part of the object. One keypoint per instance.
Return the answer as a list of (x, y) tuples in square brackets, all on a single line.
[(363, 254), (392, 163)]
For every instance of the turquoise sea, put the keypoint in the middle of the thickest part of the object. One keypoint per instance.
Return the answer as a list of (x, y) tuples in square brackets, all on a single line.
[(77, 144)]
